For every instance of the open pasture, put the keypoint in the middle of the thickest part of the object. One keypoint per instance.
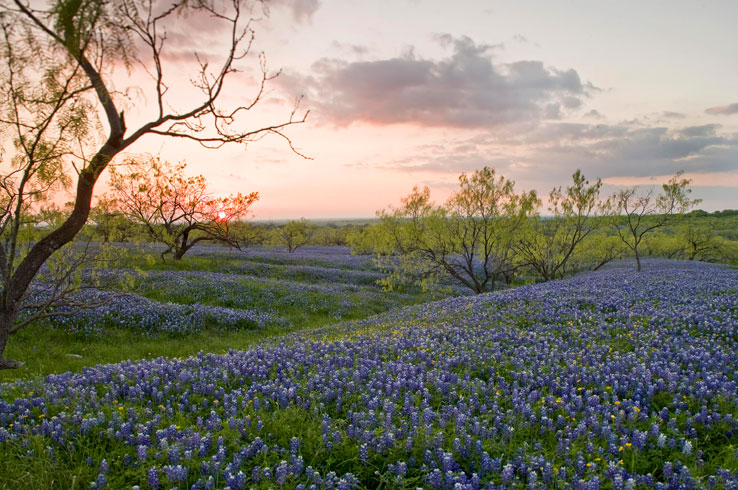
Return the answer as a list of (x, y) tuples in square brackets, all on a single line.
[(610, 379)]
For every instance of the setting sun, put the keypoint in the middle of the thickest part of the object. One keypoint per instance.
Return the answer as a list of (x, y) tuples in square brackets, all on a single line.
[(221, 214)]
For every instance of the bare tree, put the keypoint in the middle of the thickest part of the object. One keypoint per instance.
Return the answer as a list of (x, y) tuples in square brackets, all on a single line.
[(637, 214), (60, 115), (174, 209)]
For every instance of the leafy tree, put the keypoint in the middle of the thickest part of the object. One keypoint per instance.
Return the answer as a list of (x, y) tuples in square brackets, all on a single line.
[(635, 214), (661, 244), (332, 235), (403, 238), (176, 210), (726, 250), (700, 242), (294, 234), (469, 239), (111, 225), (64, 84), (249, 234), (598, 249), (551, 241), (366, 240)]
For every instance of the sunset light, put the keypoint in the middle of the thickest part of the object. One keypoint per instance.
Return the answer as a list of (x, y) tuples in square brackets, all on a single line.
[(353, 244), (406, 93)]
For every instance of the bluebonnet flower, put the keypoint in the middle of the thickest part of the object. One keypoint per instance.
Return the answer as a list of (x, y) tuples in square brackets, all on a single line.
[(152, 478)]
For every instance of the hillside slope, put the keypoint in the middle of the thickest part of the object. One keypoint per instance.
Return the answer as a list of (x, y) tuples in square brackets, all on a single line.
[(613, 379)]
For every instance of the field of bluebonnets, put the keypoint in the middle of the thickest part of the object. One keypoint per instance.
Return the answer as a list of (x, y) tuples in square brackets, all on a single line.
[(214, 299), (227, 290), (611, 379)]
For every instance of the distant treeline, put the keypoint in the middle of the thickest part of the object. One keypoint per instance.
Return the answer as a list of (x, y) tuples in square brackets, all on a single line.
[(344, 232), (720, 214)]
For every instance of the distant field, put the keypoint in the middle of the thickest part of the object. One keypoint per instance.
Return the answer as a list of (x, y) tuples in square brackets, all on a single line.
[(610, 379)]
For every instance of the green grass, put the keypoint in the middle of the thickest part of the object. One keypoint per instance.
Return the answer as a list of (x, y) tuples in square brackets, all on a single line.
[(211, 263), (47, 351)]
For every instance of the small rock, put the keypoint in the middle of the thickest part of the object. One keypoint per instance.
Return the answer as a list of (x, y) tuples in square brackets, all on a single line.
[(74, 356)]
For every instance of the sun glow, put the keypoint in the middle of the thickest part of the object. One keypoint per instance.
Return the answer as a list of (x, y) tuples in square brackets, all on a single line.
[(221, 214)]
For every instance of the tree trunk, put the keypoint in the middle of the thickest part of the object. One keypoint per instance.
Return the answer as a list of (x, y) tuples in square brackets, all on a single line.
[(17, 285), (6, 323), (179, 253), (638, 259)]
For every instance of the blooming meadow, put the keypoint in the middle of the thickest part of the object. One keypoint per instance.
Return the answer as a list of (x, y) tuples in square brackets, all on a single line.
[(258, 289), (610, 379)]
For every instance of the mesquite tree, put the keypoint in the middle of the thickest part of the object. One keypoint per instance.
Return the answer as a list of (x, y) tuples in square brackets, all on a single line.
[(64, 83), (635, 214), (469, 239), (551, 242), (294, 234), (175, 209)]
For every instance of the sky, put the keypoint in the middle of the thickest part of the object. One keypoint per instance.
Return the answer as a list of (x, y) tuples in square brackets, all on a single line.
[(414, 92)]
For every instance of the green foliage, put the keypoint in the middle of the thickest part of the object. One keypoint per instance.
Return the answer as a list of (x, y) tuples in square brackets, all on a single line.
[(335, 235), (691, 239), (111, 225), (597, 250), (550, 244), (294, 234), (469, 238), (249, 234)]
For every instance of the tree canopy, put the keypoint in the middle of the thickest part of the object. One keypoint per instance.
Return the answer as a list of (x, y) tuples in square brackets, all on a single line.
[(175, 209)]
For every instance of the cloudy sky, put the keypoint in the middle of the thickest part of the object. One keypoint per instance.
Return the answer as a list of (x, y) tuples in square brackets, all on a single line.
[(407, 92)]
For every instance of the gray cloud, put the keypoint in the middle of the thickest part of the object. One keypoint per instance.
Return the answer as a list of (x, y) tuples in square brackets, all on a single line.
[(548, 154), (660, 151), (466, 89), (672, 115), (724, 110), (448, 164), (594, 114), (552, 111), (626, 151), (705, 130), (357, 50)]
